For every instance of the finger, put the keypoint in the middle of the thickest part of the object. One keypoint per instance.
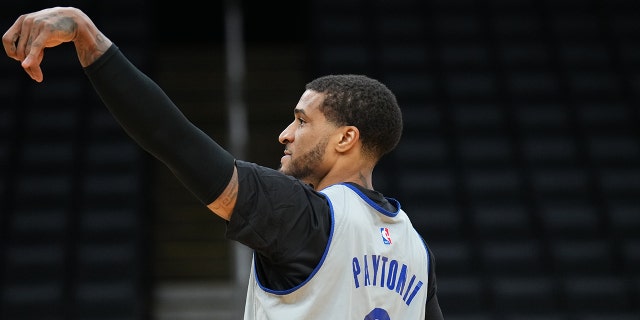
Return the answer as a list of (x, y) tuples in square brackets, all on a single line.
[(28, 44), (31, 43), (11, 38), (33, 69), (35, 73)]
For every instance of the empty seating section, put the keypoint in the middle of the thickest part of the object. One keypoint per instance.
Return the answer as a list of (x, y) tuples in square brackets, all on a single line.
[(520, 162), (70, 196)]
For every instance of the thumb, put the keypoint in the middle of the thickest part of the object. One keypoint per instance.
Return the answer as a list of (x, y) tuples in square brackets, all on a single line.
[(31, 64)]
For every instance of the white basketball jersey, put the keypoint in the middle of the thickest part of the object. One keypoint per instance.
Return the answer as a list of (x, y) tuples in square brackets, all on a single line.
[(375, 266)]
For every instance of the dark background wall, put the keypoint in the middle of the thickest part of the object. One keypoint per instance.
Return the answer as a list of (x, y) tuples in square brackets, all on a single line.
[(520, 162)]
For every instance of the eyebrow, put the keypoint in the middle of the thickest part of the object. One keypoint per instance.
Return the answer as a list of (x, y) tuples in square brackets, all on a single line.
[(299, 111)]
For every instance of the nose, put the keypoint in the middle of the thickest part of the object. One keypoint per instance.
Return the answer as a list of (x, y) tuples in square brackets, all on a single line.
[(286, 136)]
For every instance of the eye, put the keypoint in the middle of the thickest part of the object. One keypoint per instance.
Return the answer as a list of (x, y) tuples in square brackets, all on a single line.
[(301, 121)]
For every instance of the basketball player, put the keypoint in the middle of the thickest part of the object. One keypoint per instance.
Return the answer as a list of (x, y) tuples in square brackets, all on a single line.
[(325, 243)]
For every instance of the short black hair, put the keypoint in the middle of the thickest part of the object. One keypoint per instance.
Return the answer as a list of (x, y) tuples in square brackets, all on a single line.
[(363, 102)]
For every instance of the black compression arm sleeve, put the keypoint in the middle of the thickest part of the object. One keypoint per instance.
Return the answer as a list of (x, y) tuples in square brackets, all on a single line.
[(158, 126)]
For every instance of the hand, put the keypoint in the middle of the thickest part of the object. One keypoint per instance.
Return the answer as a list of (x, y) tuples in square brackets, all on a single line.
[(27, 38)]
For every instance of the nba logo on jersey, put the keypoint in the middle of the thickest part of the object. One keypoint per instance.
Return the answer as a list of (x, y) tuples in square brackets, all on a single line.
[(386, 236)]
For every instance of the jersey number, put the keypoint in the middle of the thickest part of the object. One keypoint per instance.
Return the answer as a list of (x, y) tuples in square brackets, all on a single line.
[(377, 314)]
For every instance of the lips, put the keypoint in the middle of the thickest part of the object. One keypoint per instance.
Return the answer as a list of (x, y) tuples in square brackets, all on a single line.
[(286, 155)]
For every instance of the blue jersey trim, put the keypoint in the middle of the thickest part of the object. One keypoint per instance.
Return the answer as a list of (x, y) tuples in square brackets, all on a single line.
[(426, 247), (315, 270), (372, 203)]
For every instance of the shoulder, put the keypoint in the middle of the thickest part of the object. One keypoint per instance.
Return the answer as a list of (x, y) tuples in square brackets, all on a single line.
[(249, 168), (253, 174), (270, 185)]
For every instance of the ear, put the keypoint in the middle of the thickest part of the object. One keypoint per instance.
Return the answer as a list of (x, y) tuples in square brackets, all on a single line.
[(349, 136)]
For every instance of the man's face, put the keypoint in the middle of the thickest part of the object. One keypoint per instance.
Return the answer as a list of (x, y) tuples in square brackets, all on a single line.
[(306, 140)]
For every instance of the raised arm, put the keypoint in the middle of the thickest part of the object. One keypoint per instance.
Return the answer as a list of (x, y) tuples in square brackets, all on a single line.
[(139, 105)]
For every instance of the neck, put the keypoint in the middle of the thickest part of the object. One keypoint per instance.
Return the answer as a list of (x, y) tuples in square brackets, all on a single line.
[(361, 177)]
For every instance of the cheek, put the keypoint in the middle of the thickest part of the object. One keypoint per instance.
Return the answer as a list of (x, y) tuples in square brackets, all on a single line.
[(301, 137), (307, 139)]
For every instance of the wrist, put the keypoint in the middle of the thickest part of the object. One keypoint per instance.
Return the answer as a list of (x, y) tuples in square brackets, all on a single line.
[(89, 42)]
